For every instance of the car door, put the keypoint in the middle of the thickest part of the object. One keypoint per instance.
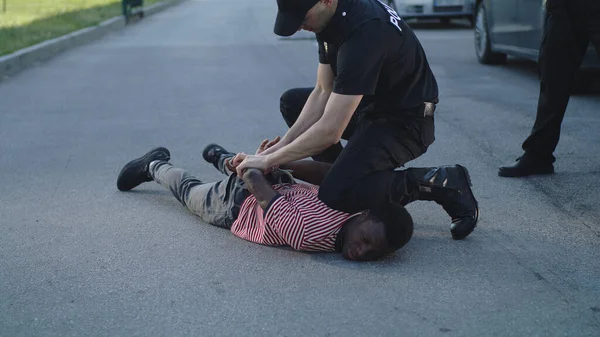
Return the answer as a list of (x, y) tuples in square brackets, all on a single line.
[(503, 22), (531, 25)]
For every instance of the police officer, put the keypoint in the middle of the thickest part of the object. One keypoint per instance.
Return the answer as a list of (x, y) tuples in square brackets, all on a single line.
[(569, 27), (376, 89)]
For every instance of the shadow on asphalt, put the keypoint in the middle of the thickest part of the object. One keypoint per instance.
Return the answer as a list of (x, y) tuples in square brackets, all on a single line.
[(425, 242), (148, 192), (339, 261)]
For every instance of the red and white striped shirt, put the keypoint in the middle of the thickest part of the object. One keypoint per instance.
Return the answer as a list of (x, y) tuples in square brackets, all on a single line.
[(297, 218)]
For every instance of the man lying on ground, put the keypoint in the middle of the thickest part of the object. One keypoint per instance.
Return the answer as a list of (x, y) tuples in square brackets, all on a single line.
[(274, 210)]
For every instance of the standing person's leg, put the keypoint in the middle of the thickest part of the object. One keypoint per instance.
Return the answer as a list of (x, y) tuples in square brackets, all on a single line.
[(594, 24), (363, 176), (562, 50), (291, 104), (216, 203)]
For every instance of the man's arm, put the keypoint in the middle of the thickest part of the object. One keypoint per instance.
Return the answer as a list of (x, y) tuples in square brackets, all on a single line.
[(259, 186), (313, 108), (326, 132), (360, 61), (312, 172)]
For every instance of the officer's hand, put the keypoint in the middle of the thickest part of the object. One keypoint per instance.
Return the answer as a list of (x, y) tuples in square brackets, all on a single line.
[(232, 163), (258, 162), (266, 144)]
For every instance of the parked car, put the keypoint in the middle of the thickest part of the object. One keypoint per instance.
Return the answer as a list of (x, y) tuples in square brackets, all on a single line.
[(439, 9), (515, 27)]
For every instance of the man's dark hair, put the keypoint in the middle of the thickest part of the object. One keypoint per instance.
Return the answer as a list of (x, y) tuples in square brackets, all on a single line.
[(398, 223)]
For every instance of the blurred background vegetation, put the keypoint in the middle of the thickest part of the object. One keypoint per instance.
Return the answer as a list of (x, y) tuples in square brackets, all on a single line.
[(26, 22)]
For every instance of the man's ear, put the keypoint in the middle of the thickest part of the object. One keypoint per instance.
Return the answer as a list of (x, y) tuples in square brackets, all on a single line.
[(364, 214)]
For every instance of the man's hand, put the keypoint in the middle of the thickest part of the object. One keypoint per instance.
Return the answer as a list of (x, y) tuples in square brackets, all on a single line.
[(259, 186), (257, 162), (232, 163), (266, 144)]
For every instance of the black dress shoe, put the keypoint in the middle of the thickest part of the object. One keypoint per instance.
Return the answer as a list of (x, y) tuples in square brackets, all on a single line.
[(450, 187), (525, 166)]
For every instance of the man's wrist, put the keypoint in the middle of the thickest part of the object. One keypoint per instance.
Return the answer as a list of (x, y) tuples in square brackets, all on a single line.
[(272, 161)]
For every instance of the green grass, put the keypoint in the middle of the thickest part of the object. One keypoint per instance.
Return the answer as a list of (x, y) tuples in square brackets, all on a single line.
[(27, 22)]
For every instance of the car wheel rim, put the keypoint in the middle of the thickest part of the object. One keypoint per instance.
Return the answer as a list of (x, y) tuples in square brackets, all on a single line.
[(480, 32)]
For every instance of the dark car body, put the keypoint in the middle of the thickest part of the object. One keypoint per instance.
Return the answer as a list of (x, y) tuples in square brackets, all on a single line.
[(515, 27)]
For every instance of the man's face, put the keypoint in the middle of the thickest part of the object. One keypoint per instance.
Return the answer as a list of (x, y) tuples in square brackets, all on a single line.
[(317, 17), (365, 240)]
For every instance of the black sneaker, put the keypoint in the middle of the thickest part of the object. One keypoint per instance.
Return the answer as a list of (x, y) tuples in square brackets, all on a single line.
[(213, 152), (136, 171)]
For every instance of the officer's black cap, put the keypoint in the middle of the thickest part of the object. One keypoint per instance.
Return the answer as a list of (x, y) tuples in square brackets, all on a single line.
[(290, 15)]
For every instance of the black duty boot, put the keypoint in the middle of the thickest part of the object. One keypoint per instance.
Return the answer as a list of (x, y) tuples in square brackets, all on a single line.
[(136, 171), (526, 166), (449, 186), (213, 153)]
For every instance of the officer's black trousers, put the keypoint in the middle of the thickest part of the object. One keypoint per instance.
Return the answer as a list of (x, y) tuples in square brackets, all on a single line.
[(570, 26), (363, 175)]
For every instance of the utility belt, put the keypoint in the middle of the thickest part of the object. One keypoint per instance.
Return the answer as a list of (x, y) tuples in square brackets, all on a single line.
[(427, 109)]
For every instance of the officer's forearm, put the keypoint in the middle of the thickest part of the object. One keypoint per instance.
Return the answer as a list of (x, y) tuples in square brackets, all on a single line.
[(316, 139), (326, 132), (311, 112)]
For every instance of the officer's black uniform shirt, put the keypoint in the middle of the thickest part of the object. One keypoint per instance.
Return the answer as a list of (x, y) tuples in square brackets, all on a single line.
[(374, 53)]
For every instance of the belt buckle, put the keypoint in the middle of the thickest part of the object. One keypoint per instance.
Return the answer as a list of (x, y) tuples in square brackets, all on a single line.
[(429, 109)]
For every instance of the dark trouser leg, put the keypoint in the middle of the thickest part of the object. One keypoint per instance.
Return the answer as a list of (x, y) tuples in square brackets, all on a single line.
[(362, 177), (216, 203), (594, 24), (562, 50), (291, 104)]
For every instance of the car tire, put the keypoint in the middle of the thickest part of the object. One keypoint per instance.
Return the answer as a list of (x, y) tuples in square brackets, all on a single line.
[(483, 45)]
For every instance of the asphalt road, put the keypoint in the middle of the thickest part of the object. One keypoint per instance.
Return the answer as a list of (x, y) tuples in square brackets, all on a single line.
[(78, 257)]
